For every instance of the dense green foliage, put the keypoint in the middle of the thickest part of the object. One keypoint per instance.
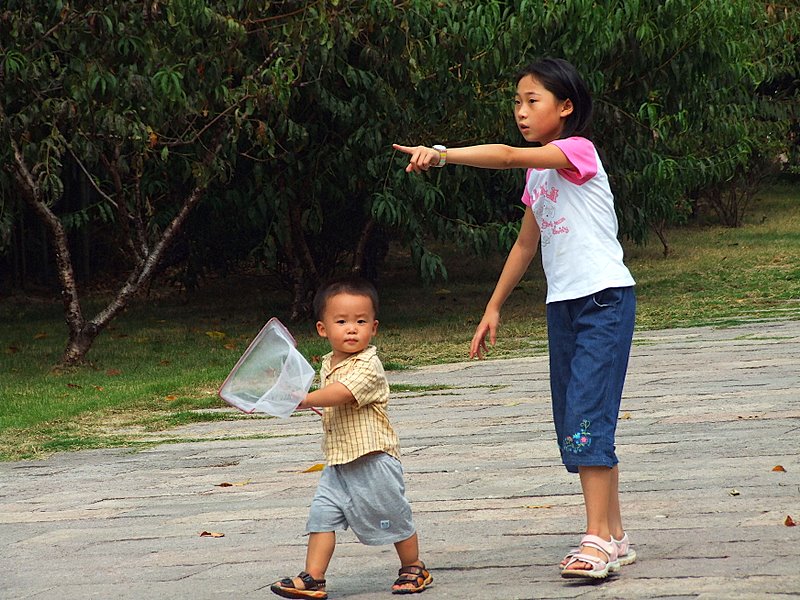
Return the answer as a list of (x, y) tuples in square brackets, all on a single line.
[(264, 130)]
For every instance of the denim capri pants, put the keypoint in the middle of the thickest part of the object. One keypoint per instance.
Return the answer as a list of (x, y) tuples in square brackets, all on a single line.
[(590, 342), (368, 496)]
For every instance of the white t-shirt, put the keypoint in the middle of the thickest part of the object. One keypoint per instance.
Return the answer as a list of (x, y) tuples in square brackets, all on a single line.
[(574, 208)]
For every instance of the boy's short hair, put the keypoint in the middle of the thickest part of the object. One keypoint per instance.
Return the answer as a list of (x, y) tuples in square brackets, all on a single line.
[(348, 284)]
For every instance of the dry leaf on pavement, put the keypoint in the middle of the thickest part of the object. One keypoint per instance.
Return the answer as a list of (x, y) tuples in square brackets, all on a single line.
[(213, 534)]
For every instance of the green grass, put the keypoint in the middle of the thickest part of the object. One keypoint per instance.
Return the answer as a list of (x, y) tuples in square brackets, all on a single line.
[(159, 365)]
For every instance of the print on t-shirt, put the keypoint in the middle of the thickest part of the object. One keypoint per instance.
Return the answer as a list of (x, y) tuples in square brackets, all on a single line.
[(545, 203)]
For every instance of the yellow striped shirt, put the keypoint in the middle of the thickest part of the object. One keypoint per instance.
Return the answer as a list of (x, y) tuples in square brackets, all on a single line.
[(358, 428)]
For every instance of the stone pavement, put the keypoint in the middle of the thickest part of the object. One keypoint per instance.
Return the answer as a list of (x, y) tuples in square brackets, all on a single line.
[(707, 414)]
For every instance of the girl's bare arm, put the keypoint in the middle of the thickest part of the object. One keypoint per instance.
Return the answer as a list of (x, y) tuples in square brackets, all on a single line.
[(517, 263), (487, 156)]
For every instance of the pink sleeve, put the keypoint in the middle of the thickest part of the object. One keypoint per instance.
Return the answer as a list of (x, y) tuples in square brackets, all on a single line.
[(526, 197), (581, 153)]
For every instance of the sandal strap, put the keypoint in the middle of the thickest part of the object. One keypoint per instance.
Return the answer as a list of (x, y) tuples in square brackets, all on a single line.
[(598, 564), (310, 582), (607, 547), (413, 569), (412, 574)]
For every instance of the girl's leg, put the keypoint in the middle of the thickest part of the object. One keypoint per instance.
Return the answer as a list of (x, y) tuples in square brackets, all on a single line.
[(599, 500), (603, 328), (614, 512), (596, 483)]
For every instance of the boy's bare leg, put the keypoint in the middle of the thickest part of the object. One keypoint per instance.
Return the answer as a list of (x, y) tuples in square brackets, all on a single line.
[(318, 556), (319, 553), (408, 553)]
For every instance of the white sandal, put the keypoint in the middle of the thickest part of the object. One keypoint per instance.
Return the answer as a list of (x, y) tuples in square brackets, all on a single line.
[(625, 554), (599, 568)]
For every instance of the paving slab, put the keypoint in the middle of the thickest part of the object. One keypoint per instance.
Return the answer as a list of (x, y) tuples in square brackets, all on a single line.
[(707, 414)]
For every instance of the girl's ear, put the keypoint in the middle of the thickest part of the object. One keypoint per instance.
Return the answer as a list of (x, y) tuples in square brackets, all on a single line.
[(321, 329), (567, 108)]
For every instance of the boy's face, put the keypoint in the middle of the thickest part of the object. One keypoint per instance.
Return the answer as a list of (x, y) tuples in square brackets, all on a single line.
[(349, 323)]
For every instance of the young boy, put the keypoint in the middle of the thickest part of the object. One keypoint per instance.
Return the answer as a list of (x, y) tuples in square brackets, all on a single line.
[(362, 485)]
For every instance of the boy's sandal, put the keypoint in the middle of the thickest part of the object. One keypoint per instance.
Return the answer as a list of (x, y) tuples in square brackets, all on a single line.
[(312, 588), (418, 577), (599, 568)]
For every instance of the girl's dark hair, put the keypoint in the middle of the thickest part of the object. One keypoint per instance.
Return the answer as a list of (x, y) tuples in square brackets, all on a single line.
[(561, 79), (349, 284)]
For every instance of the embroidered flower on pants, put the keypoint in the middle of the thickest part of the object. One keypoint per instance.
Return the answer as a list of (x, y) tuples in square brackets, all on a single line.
[(577, 442)]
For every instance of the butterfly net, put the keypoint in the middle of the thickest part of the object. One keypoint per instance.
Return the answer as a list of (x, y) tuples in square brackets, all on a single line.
[(271, 376)]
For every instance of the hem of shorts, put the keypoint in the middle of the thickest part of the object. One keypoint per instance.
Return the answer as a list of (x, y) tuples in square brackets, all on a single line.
[(337, 530), (572, 467), (400, 537)]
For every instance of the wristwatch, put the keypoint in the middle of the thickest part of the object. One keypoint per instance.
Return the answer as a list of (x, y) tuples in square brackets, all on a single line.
[(442, 155)]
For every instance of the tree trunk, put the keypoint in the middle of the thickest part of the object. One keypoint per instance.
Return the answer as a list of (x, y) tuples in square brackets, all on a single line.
[(302, 269), (360, 261), (82, 333), (370, 252), (660, 230)]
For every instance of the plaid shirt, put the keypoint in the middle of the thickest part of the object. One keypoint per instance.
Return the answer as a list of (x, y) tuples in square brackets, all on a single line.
[(358, 428)]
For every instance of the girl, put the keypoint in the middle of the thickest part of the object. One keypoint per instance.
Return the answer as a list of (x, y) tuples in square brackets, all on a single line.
[(590, 300)]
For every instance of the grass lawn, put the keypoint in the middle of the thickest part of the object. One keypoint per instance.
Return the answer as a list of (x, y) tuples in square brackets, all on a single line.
[(160, 364)]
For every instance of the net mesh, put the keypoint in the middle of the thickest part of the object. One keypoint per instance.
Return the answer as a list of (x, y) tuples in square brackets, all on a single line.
[(271, 376)]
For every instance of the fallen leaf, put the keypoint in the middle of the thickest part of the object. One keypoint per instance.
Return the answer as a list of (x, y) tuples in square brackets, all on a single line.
[(734, 492), (627, 415), (13, 349), (316, 467), (40, 336), (213, 534), (789, 521), (779, 468), (73, 385), (99, 388), (113, 372), (170, 397), (165, 362), (230, 346), (215, 335), (237, 484)]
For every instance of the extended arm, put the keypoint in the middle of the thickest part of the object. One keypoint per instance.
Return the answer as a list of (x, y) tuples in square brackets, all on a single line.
[(487, 156), (517, 263), (335, 394)]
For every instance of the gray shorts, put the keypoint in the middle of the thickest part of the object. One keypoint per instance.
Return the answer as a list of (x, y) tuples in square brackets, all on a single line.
[(368, 495)]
